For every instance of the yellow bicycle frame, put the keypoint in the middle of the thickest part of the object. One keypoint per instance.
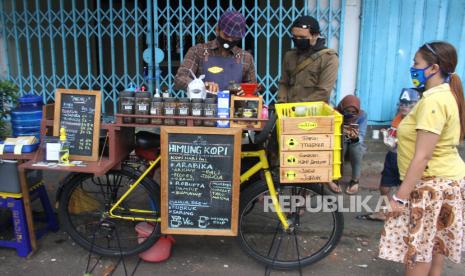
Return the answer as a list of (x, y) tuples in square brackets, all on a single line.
[(262, 164)]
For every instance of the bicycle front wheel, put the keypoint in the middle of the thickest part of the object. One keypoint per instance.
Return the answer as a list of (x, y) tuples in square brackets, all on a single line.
[(84, 213), (312, 236)]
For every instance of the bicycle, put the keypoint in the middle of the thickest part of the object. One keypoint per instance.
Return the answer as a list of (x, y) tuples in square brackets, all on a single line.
[(113, 205)]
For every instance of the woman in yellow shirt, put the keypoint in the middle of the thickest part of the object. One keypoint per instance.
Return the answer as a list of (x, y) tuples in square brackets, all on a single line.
[(426, 220)]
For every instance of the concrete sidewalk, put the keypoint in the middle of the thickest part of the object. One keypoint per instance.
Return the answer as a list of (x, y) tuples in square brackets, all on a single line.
[(201, 255)]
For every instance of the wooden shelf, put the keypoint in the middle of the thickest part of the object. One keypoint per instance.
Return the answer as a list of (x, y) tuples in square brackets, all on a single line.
[(190, 121), (97, 168)]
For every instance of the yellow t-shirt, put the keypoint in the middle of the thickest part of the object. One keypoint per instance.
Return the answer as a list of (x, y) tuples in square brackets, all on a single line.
[(436, 112)]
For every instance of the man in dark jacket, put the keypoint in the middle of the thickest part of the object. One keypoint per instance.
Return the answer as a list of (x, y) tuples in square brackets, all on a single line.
[(309, 71)]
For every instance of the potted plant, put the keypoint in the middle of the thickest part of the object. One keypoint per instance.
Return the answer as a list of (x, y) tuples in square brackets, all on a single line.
[(8, 98)]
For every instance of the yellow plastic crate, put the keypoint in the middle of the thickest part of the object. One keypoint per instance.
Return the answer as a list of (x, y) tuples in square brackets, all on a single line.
[(316, 111)]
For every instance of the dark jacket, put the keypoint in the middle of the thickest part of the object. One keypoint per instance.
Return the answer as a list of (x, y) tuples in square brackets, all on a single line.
[(315, 82)]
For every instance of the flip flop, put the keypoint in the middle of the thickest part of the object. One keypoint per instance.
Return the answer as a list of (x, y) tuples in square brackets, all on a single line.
[(350, 186), (368, 217), (333, 189)]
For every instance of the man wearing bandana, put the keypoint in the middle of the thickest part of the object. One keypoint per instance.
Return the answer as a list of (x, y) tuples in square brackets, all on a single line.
[(309, 70), (220, 60)]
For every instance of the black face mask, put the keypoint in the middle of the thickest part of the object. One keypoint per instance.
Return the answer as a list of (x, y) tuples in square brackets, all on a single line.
[(301, 44), (226, 44)]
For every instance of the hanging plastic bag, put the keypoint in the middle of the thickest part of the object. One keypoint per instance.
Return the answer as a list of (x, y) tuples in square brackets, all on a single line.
[(196, 88)]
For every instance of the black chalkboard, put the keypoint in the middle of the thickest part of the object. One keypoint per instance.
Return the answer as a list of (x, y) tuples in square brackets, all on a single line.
[(200, 181), (79, 113)]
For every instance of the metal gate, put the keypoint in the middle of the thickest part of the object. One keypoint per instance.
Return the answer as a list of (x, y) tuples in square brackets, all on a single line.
[(391, 33), (105, 44)]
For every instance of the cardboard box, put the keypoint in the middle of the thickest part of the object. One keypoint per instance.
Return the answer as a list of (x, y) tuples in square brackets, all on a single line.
[(223, 108)]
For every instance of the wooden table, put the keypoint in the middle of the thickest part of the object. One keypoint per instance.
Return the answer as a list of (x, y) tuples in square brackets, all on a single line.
[(120, 142)]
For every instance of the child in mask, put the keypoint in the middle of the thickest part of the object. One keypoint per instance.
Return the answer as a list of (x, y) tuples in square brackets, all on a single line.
[(390, 177), (354, 130)]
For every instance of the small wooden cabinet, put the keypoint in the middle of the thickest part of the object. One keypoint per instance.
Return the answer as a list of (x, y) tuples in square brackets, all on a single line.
[(246, 108)]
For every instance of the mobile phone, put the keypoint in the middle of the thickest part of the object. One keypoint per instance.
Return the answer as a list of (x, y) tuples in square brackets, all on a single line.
[(354, 125)]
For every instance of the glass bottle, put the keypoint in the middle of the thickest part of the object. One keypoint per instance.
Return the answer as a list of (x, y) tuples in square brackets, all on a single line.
[(64, 148)]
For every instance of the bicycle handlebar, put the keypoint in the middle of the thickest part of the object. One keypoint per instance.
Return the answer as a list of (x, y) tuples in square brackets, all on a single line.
[(265, 133)]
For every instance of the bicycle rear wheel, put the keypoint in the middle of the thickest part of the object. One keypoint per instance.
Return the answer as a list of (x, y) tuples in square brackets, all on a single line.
[(84, 213), (312, 237)]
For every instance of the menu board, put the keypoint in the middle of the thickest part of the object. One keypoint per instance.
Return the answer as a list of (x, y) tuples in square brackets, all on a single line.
[(78, 111), (200, 180)]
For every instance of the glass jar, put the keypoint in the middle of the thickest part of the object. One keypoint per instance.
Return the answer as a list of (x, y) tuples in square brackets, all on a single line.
[(169, 109), (157, 109), (210, 111), (143, 101), (197, 108), (183, 109), (126, 105)]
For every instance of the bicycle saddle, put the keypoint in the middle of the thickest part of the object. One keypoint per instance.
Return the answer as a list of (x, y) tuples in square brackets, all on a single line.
[(147, 140)]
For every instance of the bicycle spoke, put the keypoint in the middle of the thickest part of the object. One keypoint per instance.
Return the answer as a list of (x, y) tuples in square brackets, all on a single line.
[(311, 237), (274, 237), (100, 194)]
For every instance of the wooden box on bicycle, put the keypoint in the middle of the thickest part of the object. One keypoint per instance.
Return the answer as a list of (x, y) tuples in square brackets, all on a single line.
[(309, 136)]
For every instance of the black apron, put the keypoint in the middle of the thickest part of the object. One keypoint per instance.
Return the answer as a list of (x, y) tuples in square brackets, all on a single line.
[(222, 70)]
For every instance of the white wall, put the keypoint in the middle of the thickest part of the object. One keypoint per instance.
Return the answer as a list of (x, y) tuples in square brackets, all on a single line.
[(350, 44)]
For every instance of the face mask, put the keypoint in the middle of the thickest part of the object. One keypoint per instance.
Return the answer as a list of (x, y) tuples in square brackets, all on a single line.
[(348, 115), (418, 76), (301, 44), (226, 43)]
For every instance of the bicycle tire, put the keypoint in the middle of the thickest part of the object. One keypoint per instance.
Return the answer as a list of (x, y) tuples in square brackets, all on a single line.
[(251, 197), (149, 187)]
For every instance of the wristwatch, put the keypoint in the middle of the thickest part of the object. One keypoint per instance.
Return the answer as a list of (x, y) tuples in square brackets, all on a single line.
[(400, 201)]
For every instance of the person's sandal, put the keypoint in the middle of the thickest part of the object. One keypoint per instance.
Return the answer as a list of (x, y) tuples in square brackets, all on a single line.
[(334, 187), (352, 188)]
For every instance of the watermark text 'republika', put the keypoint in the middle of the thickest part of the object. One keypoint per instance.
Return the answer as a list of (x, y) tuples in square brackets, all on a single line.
[(328, 203)]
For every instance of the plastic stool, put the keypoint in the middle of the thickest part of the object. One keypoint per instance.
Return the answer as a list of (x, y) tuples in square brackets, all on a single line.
[(14, 202)]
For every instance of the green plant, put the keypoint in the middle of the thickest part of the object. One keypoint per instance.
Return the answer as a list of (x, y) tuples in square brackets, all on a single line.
[(8, 98)]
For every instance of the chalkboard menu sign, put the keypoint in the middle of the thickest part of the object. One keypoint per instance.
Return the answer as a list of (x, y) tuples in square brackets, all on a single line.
[(200, 180), (78, 111)]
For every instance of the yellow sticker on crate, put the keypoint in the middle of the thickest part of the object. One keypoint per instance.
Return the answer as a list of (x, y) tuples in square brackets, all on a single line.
[(291, 160), (291, 142), (290, 175), (307, 125)]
